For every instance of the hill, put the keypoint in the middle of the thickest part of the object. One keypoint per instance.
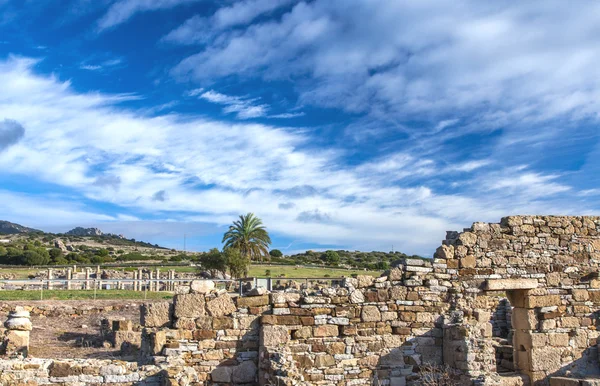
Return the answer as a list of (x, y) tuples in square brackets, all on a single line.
[(27, 246), (9, 228)]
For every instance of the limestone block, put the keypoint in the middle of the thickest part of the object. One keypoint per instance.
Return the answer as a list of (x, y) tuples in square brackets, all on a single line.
[(271, 336), (246, 372), (156, 314), (545, 359), (189, 305), (285, 297), (21, 324), (395, 274), (364, 280), (569, 322), (122, 325), (468, 261), (467, 239), (16, 341), (221, 374), (370, 314), (510, 284), (398, 293), (445, 252), (524, 319), (202, 286), (252, 301), (357, 297), (580, 295), (325, 330), (324, 360), (220, 306), (542, 301), (559, 339), (303, 333)]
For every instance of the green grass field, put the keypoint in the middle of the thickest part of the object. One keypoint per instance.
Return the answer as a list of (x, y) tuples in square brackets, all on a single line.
[(255, 271), (81, 295)]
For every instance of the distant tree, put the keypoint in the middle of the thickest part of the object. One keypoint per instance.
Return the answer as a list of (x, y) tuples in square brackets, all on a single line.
[(214, 261), (102, 252), (55, 253), (275, 253), (249, 236), (331, 257), (237, 263), (2, 251), (32, 257), (60, 261)]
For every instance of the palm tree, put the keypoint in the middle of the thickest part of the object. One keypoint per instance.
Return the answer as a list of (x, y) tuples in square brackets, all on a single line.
[(249, 236)]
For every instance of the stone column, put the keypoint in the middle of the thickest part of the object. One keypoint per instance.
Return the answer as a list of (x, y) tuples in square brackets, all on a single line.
[(69, 278), (87, 278), (16, 337), (157, 286), (140, 277), (172, 277), (151, 284), (135, 283), (50, 277)]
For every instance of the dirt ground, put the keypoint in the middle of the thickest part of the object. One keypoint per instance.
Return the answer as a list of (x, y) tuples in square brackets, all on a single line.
[(74, 335)]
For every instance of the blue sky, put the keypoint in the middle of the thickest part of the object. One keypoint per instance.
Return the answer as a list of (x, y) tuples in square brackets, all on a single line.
[(350, 124)]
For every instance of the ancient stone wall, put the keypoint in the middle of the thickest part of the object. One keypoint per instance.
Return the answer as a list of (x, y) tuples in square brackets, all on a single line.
[(548, 268), (527, 286)]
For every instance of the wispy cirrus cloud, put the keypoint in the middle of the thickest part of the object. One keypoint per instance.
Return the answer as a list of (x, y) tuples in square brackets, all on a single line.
[(122, 10), (200, 29)]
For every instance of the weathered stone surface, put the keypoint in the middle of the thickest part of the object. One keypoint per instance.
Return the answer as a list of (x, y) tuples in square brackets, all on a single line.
[(357, 297), (221, 374), (22, 324), (220, 306), (246, 372), (510, 284), (364, 280), (467, 239), (189, 305), (156, 314), (370, 314), (252, 301), (274, 335), (202, 286), (326, 330)]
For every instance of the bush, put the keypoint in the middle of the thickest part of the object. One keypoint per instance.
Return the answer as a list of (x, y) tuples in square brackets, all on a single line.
[(268, 273)]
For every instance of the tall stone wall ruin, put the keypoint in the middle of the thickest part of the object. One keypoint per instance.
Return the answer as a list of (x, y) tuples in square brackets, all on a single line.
[(522, 295)]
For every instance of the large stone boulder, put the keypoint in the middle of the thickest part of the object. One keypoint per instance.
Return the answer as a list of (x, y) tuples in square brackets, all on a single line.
[(202, 286), (246, 372)]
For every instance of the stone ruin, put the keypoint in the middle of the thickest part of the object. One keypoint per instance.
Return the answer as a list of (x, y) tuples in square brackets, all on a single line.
[(514, 303)]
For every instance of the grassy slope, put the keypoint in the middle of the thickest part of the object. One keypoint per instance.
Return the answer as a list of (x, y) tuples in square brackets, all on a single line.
[(255, 271)]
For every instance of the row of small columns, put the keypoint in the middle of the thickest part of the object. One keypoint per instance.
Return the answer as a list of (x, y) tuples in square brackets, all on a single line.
[(138, 275)]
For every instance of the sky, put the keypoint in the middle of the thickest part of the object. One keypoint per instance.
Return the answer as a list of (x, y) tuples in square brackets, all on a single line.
[(354, 124)]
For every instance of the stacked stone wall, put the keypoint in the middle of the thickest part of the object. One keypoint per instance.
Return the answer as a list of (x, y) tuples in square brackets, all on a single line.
[(449, 311)]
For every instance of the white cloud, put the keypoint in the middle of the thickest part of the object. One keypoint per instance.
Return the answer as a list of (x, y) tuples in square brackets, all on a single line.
[(194, 169), (199, 29), (122, 10), (501, 65), (244, 107)]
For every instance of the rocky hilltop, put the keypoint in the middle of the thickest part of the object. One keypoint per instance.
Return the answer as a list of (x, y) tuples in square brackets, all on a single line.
[(80, 231), (9, 228)]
